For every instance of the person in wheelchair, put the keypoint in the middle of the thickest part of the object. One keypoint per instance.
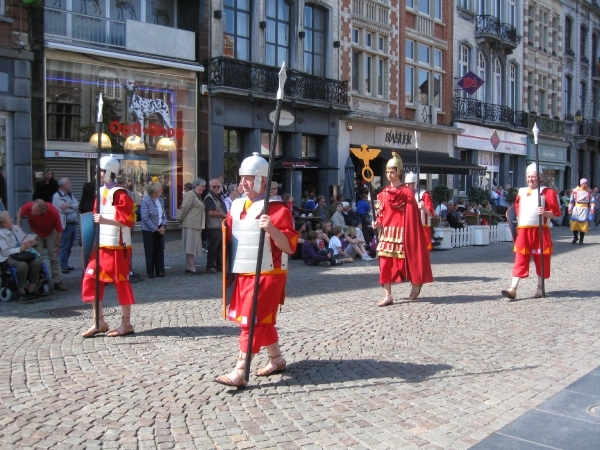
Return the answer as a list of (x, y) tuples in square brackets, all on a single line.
[(14, 241)]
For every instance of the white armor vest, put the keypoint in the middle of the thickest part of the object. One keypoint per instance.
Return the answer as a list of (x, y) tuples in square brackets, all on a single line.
[(528, 206), (110, 235), (245, 239), (425, 219)]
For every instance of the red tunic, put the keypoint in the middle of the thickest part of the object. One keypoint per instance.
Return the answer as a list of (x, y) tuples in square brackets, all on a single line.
[(271, 292), (527, 242), (402, 247), (426, 219), (115, 264)]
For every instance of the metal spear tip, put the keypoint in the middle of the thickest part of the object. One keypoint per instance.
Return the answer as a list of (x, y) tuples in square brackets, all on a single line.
[(100, 103), (536, 132), (416, 140), (282, 78)]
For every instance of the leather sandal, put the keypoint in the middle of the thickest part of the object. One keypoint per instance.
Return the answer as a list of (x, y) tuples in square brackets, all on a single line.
[(240, 384), (275, 368), (510, 294), (94, 331), (127, 329), (386, 301), (415, 290)]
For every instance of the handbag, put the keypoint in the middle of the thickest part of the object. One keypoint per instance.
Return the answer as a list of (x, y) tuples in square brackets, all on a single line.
[(23, 256)]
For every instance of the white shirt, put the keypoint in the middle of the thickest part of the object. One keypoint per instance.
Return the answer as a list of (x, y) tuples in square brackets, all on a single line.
[(335, 244)]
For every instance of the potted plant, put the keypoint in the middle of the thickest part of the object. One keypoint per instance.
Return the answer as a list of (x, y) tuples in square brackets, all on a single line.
[(440, 193), (511, 195)]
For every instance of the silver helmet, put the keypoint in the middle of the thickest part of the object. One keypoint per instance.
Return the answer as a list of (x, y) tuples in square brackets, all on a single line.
[(109, 165), (256, 166), (410, 177)]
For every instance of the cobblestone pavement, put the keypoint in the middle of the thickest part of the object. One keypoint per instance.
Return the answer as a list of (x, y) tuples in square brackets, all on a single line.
[(445, 371)]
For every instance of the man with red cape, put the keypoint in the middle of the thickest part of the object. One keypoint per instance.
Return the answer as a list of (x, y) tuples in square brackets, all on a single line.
[(402, 246)]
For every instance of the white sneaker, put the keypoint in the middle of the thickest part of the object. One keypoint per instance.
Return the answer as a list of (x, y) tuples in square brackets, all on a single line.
[(366, 258), (325, 264), (339, 262)]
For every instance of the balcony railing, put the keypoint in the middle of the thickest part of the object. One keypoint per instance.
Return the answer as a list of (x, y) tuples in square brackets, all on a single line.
[(469, 107), (245, 75), (81, 28), (491, 25)]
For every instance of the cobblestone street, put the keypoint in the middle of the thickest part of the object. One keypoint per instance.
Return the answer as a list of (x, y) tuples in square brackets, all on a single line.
[(445, 371)]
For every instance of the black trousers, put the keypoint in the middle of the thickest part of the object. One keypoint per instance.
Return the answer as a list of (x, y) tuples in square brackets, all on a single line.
[(154, 249), (214, 257)]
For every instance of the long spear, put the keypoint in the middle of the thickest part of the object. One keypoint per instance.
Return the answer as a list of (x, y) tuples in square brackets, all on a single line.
[(536, 131), (261, 242), (418, 185), (98, 200)]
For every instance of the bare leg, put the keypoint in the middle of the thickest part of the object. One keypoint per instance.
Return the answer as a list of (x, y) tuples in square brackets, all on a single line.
[(387, 287), (511, 293), (276, 362), (103, 325)]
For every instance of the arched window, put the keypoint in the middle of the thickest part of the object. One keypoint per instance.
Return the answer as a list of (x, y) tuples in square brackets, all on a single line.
[(277, 32), (497, 83), (481, 74)]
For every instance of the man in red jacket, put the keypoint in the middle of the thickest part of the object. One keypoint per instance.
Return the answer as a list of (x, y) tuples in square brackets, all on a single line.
[(44, 221), (402, 246)]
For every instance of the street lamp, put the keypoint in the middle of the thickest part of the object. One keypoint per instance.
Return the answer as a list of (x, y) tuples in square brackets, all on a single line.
[(578, 116), (536, 132)]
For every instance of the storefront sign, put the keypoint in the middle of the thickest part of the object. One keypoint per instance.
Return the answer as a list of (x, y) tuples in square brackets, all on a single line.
[(394, 137), (135, 129), (487, 139), (286, 118), (88, 155)]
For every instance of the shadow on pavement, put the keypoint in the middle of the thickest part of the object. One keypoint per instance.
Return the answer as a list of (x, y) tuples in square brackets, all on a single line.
[(186, 332), (327, 372), (455, 298), (577, 294), (452, 279)]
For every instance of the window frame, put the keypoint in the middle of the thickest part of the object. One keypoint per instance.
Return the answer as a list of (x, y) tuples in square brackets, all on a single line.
[(235, 35), (276, 22)]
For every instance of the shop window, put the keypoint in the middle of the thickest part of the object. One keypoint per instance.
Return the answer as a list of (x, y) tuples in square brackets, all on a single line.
[(309, 147), (265, 144), (160, 12), (63, 117)]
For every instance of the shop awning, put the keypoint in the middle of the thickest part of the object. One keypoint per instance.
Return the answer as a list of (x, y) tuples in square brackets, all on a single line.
[(433, 162)]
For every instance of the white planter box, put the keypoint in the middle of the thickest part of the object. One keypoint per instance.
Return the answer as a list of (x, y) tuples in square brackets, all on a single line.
[(480, 234), (446, 234), (504, 232)]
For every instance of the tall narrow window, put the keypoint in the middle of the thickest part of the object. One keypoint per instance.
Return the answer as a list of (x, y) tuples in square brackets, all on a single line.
[(355, 71), (497, 100), (409, 76), (368, 74), (236, 34), (481, 74), (380, 66), (512, 13), (568, 33), (437, 90), (512, 86), (314, 41), (277, 32), (568, 100), (463, 64), (498, 8), (582, 97), (583, 42), (437, 9), (424, 82)]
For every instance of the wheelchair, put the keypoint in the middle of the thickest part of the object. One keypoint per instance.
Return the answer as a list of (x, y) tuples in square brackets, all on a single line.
[(9, 282)]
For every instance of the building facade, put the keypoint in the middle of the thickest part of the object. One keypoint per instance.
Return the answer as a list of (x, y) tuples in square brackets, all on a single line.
[(15, 105), (143, 57)]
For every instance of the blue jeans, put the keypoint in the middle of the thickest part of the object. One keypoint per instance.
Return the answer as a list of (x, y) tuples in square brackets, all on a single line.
[(66, 244)]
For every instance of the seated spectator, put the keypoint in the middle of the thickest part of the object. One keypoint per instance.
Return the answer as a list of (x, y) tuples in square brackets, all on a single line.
[(455, 218), (313, 255), (302, 236), (351, 219), (320, 210), (332, 207), (337, 219), (335, 244), (487, 209), (356, 245), (461, 205), (310, 202), (442, 209), (326, 233)]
